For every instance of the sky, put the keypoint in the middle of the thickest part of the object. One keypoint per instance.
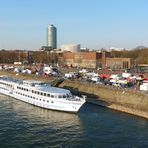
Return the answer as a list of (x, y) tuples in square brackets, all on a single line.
[(92, 23)]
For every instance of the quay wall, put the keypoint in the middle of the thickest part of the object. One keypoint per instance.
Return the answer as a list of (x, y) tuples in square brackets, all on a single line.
[(125, 100), (129, 101)]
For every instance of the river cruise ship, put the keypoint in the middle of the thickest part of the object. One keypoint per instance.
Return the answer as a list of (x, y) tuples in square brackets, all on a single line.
[(41, 94)]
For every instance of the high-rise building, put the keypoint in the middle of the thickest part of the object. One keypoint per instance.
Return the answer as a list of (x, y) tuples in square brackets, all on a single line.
[(52, 36)]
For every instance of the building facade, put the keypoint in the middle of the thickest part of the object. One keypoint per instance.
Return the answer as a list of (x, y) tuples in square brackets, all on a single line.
[(87, 59), (52, 36), (82, 59), (118, 63)]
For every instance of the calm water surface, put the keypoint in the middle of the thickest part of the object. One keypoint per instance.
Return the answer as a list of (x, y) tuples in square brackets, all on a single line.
[(25, 126)]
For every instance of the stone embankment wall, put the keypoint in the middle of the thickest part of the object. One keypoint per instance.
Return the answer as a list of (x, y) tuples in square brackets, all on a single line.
[(125, 100)]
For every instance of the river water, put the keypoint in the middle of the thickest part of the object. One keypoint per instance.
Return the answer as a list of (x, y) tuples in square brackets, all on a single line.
[(25, 126)]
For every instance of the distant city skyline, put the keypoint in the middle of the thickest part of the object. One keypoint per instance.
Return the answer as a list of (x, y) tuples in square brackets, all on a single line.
[(93, 24)]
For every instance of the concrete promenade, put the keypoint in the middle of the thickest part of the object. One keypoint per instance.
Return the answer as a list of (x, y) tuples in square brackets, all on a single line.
[(125, 100)]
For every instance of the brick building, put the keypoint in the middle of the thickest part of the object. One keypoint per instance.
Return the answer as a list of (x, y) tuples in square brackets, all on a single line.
[(88, 59), (118, 63), (84, 59)]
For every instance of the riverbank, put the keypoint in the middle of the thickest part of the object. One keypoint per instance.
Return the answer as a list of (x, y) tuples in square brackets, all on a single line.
[(129, 101), (26, 76), (125, 100)]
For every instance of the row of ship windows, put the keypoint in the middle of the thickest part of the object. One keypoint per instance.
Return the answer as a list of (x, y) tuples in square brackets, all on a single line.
[(21, 88), (46, 94), (37, 92), (4, 88), (32, 97), (28, 96), (6, 84)]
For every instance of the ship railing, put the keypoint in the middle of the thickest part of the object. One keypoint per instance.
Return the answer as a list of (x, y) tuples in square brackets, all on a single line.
[(83, 98), (76, 98)]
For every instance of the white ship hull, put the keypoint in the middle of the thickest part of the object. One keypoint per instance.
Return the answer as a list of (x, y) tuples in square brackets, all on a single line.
[(38, 97)]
